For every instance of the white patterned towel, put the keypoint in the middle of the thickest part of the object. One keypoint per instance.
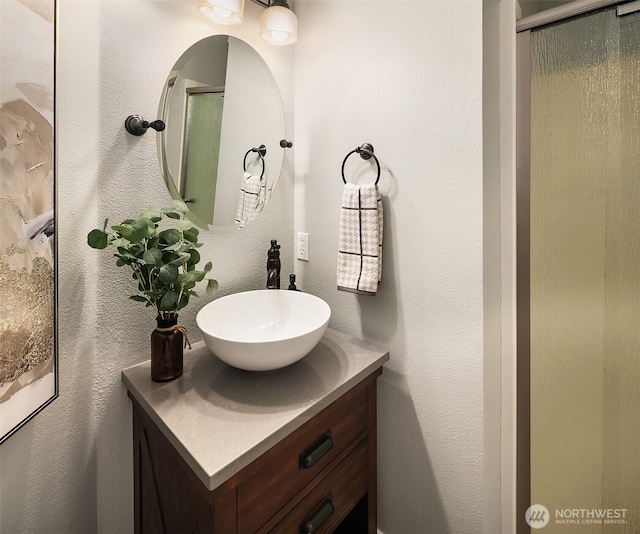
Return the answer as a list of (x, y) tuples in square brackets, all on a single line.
[(360, 241), (252, 194)]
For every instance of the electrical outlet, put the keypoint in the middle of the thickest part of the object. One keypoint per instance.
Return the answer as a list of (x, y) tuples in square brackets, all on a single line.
[(303, 246)]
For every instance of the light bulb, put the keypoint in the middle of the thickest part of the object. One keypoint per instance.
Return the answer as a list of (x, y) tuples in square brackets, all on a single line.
[(280, 37), (279, 25), (221, 12)]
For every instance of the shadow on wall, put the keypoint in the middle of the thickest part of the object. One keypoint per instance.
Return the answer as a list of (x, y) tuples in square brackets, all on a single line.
[(408, 494), (379, 314)]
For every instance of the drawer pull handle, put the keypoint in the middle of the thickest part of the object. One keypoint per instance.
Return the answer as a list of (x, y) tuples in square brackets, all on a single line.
[(318, 517), (313, 454)]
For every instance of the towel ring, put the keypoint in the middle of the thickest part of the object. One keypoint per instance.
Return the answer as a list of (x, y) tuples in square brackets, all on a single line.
[(366, 152), (262, 151)]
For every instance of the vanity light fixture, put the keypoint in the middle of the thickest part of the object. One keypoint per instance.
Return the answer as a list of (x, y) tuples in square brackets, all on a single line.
[(229, 12), (279, 25)]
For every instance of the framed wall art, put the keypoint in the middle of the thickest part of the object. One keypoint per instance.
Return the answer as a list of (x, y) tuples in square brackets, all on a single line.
[(28, 249)]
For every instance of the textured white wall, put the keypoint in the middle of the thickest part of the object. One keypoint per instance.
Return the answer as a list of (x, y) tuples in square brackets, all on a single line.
[(406, 77), (70, 469)]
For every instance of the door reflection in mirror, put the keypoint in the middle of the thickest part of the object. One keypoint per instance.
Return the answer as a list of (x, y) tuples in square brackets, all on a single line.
[(219, 101), (201, 152)]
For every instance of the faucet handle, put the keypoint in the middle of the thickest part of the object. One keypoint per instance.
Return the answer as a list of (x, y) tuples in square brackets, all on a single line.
[(274, 251)]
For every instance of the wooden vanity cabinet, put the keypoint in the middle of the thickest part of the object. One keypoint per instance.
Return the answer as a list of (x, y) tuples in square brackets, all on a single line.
[(321, 478)]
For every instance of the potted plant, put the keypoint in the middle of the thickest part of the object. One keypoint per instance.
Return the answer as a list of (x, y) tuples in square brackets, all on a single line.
[(163, 264)]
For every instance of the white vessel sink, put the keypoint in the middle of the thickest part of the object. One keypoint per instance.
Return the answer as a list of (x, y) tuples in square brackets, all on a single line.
[(263, 330)]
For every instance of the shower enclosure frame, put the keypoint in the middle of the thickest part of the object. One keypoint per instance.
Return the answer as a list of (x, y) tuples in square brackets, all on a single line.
[(523, 75)]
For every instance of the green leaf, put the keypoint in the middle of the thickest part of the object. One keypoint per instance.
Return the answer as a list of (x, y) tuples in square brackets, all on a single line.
[(168, 302), (168, 256), (208, 267), (212, 287), (123, 229), (168, 274), (194, 257), (184, 300), (137, 249), (190, 235), (179, 205), (172, 215), (182, 258), (170, 236), (151, 213), (183, 225), (124, 253), (120, 262), (174, 247), (141, 228), (97, 239), (187, 279), (152, 257), (104, 226), (138, 298), (120, 242)]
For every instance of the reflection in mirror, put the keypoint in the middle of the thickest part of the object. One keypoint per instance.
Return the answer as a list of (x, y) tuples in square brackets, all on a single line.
[(221, 104)]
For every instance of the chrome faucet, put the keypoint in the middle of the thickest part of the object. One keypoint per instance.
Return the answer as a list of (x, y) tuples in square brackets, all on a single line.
[(273, 266)]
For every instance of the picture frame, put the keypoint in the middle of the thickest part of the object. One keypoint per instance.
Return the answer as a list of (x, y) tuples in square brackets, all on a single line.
[(28, 212)]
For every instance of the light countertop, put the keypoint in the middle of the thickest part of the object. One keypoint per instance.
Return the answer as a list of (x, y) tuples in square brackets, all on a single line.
[(220, 419)]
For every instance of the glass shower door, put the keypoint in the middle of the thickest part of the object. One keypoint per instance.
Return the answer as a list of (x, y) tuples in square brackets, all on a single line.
[(201, 154), (584, 274)]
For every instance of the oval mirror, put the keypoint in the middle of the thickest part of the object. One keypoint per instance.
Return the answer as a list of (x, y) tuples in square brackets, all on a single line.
[(221, 151)]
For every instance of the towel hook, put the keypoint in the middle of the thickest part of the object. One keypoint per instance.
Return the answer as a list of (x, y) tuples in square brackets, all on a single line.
[(137, 125), (261, 151), (366, 153)]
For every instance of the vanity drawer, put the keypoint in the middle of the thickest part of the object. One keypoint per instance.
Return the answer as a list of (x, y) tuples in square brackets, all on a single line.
[(330, 499), (315, 444)]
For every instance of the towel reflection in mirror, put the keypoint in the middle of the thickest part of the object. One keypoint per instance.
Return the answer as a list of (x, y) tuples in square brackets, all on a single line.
[(252, 198)]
